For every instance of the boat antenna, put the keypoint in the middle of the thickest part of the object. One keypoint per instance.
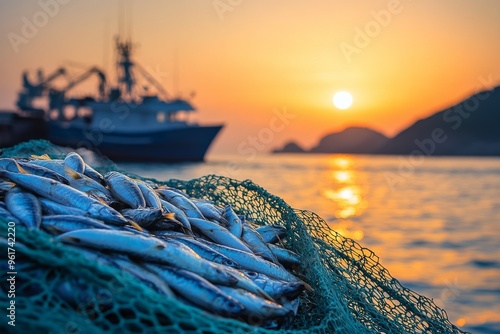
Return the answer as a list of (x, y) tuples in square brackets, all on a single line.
[(176, 72), (105, 46), (152, 81), (129, 20), (121, 18)]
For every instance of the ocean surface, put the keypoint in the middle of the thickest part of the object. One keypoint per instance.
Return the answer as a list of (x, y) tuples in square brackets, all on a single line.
[(434, 223)]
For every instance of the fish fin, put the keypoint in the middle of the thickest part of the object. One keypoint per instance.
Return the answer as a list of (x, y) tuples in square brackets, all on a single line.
[(71, 172), (187, 231), (41, 157), (53, 229), (265, 295), (72, 239), (136, 226), (307, 286), (95, 195), (169, 216), (21, 169)]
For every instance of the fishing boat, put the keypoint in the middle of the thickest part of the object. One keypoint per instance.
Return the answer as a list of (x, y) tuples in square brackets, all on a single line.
[(123, 122)]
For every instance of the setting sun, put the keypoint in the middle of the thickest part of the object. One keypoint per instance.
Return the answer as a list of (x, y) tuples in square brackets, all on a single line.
[(342, 100)]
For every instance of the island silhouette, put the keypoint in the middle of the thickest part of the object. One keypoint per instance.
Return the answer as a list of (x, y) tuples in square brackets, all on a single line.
[(470, 127)]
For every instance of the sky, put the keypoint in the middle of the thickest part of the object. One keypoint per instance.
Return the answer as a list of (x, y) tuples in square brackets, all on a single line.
[(268, 69)]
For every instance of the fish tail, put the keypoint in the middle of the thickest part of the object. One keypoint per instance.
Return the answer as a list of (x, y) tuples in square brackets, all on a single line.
[(71, 172), (136, 226), (21, 169), (169, 216), (41, 157)]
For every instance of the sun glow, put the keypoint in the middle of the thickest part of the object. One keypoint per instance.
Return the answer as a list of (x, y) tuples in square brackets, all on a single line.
[(342, 100)]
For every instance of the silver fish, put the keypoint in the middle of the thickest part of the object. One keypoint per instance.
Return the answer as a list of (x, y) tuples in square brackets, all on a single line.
[(74, 161), (149, 249), (5, 186), (143, 216), (6, 215), (245, 283), (218, 234), (180, 216), (169, 234), (54, 165), (256, 244), (133, 229), (204, 251), (253, 262), (150, 196), (144, 274), (52, 208), (66, 223), (95, 257), (235, 226), (166, 224), (24, 206), (182, 202), (66, 195), (210, 211), (93, 174), (125, 189), (285, 256), (10, 165), (256, 305), (199, 291), (179, 192), (275, 288), (271, 233), (84, 183)]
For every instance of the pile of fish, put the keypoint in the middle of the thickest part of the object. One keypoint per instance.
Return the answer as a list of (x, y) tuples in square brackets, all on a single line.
[(189, 249)]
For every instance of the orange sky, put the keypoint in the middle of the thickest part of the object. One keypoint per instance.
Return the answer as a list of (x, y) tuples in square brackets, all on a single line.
[(250, 59)]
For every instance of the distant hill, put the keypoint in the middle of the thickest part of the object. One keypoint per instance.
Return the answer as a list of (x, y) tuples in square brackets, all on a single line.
[(291, 147), (471, 127), (351, 140)]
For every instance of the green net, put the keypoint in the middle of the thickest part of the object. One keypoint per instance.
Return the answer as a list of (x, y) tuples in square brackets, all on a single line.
[(352, 291)]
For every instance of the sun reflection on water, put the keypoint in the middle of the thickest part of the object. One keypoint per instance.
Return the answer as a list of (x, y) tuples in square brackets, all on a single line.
[(342, 176), (346, 195)]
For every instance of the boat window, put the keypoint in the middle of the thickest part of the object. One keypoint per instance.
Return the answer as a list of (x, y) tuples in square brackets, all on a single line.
[(160, 117), (54, 114), (69, 112), (84, 112)]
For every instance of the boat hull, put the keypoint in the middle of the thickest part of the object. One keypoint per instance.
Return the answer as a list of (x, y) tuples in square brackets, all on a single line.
[(16, 128), (180, 144)]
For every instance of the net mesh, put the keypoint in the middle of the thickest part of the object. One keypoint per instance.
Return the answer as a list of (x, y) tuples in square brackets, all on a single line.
[(352, 291)]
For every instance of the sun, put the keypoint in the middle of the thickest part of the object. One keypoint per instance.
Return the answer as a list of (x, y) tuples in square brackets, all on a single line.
[(342, 100)]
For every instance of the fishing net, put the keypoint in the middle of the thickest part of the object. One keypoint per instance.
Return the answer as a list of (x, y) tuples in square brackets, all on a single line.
[(352, 291)]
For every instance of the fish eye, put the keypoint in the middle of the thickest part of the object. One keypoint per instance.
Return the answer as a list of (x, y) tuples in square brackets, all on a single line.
[(219, 301), (233, 305)]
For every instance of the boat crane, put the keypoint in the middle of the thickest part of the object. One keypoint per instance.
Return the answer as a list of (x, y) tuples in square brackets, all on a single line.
[(30, 91)]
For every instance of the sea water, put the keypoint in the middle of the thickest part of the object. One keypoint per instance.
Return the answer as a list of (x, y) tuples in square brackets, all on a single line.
[(433, 221)]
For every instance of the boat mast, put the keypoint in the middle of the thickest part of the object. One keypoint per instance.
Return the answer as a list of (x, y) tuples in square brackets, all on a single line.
[(125, 64)]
